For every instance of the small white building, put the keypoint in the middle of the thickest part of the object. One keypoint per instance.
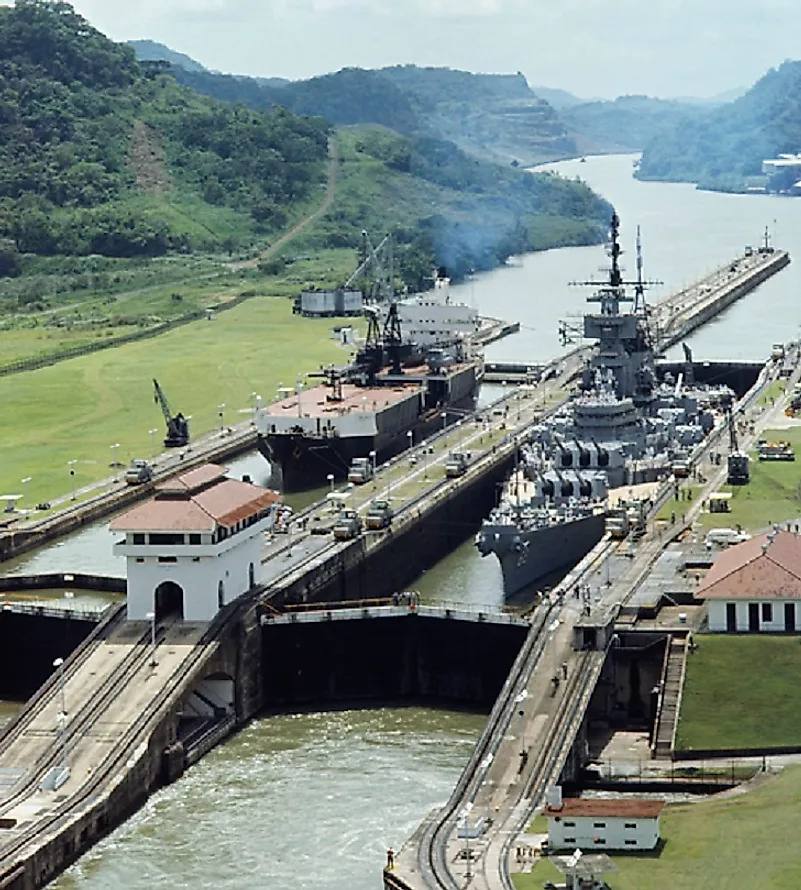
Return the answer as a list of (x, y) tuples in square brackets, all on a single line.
[(603, 824), (755, 587), (195, 546)]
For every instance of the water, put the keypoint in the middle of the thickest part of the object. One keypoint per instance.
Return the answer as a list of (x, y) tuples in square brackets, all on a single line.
[(310, 801), (686, 234), (314, 800)]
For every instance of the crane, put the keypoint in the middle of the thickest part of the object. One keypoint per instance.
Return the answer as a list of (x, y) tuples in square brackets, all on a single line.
[(177, 425), (379, 261)]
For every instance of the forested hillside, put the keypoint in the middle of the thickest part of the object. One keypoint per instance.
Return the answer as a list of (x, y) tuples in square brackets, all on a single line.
[(100, 156), (494, 116), (450, 207), (628, 123), (725, 146)]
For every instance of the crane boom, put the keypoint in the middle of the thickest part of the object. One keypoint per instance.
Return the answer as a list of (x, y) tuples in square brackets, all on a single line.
[(177, 425)]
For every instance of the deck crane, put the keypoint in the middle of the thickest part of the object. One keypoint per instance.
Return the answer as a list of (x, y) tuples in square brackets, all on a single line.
[(177, 425), (737, 462), (379, 261)]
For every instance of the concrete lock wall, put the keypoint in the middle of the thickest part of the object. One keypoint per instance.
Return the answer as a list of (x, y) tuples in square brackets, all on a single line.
[(387, 659), (28, 646)]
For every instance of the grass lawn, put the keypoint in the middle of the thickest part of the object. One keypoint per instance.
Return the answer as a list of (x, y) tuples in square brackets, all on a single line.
[(741, 842), (77, 409), (741, 692), (772, 495)]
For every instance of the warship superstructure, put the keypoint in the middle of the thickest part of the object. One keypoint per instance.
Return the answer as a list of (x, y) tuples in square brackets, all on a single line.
[(623, 427)]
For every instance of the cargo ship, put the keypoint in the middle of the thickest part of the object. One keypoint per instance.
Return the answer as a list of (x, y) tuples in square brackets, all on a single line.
[(394, 394)]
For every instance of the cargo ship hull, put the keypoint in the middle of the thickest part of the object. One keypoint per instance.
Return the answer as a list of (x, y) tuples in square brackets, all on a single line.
[(303, 451)]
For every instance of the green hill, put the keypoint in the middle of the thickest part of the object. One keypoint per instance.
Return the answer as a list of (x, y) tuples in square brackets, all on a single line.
[(101, 156), (628, 123), (150, 50), (449, 207), (724, 147), (494, 116)]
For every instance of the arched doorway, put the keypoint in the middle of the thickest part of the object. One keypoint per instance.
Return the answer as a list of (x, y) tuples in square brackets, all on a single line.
[(251, 576), (169, 600)]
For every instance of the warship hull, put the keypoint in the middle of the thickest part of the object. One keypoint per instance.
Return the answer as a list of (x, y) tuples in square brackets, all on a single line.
[(526, 557)]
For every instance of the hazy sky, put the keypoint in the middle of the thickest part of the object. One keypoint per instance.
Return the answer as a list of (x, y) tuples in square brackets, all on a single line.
[(590, 47)]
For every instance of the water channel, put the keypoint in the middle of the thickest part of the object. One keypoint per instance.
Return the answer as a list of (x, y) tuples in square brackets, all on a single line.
[(312, 801)]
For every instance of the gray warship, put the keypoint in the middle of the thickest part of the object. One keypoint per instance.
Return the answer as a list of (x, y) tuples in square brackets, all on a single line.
[(623, 427)]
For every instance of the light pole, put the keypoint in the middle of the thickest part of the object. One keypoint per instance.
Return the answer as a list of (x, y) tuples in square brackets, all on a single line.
[(153, 443), (25, 482), (71, 465), (410, 437), (519, 699), (372, 456), (58, 664), (254, 398), (221, 413), (444, 420), (151, 617), (330, 478), (114, 460)]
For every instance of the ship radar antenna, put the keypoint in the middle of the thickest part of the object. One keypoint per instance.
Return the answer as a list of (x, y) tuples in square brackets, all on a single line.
[(639, 287)]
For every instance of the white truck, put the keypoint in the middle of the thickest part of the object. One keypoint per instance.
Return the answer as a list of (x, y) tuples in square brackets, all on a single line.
[(361, 470), (139, 472)]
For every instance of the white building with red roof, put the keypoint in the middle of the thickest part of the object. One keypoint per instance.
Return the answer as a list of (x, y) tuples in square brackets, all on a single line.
[(195, 546), (755, 586), (598, 824)]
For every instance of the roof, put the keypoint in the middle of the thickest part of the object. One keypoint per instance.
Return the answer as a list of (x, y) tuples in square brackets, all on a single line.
[(624, 807), (194, 479), (224, 503), (767, 566)]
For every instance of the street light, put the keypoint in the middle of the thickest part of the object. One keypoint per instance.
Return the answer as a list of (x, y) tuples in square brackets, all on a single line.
[(153, 442), (25, 482), (444, 420), (221, 412), (410, 437), (519, 699), (372, 456), (114, 461), (71, 465), (151, 617), (58, 663), (330, 478)]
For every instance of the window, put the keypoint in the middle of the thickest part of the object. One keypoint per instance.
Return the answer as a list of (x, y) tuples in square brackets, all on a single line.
[(631, 825), (138, 538), (767, 611), (599, 824), (570, 840), (194, 539), (140, 559), (168, 559), (195, 559), (570, 824), (630, 843), (600, 841), (170, 538)]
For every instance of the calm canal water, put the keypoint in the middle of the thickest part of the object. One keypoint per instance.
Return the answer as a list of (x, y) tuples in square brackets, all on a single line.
[(312, 801)]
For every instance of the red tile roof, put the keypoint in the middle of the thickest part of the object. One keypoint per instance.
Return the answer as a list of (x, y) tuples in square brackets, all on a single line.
[(633, 808), (765, 567), (224, 503), (194, 479)]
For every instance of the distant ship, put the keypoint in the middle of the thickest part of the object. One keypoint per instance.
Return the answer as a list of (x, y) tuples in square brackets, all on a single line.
[(397, 391), (622, 428)]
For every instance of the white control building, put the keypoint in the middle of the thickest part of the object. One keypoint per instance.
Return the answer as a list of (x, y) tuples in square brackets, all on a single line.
[(195, 546), (603, 824)]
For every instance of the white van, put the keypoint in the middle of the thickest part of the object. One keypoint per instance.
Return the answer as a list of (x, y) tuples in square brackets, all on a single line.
[(723, 537)]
